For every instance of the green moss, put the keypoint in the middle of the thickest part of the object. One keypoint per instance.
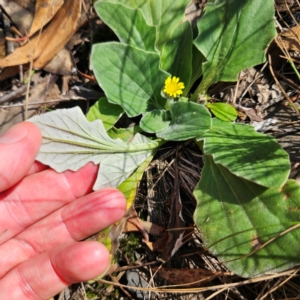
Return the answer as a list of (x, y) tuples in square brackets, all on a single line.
[(128, 245)]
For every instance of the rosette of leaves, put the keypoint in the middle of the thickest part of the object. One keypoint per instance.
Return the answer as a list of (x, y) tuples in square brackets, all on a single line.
[(247, 210)]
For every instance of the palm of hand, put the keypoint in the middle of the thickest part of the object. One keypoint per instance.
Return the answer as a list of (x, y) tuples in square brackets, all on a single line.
[(43, 216)]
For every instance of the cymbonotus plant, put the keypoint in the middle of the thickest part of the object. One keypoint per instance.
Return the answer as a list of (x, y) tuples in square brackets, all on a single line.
[(247, 209)]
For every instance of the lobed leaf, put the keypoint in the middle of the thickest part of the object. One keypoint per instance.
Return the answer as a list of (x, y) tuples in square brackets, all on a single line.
[(253, 230), (70, 142), (118, 167)]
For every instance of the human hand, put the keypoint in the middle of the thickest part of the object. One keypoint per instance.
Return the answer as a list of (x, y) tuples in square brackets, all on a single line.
[(43, 216)]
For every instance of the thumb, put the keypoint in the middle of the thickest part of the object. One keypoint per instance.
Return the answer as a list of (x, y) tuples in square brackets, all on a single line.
[(18, 149)]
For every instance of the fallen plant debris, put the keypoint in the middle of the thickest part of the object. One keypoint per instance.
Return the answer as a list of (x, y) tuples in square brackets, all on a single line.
[(17, 95), (42, 47)]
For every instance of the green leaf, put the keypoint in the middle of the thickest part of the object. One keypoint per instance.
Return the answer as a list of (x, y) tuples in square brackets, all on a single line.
[(104, 238), (130, 185), (130, 77), (125, 134), (189, 120), (165, 15), (246, 153), (223, 111), (237, 217), (107, 112), (233, 35), (143, 5), (155, 120), (176, 56), (70, 142), (197, 60), (128, 24)]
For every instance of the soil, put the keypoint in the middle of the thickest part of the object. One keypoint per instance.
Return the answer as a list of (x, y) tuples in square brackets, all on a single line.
[(266, 96)]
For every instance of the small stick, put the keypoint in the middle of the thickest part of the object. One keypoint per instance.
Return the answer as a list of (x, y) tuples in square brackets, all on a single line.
[(281, 88), (13, 95), (9, 45), (288, 81)]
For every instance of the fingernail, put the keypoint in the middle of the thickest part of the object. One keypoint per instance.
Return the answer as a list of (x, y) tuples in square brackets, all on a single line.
[(14, 134)]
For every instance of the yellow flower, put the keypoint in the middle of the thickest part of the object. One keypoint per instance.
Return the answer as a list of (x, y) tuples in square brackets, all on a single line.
[(173, 87)]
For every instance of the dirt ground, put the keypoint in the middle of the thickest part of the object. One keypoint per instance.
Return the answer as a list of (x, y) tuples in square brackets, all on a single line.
[(266, 96)]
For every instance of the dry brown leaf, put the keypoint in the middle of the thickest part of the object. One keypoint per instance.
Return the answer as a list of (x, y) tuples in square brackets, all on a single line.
[(41, 49), (136, 222), (291, 39), (20, 12), (116, 231), (61, 63), (253, 114), (44, 12), (160, 244), (150, 227), (24, 3), (61, 30), (188, 277)]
